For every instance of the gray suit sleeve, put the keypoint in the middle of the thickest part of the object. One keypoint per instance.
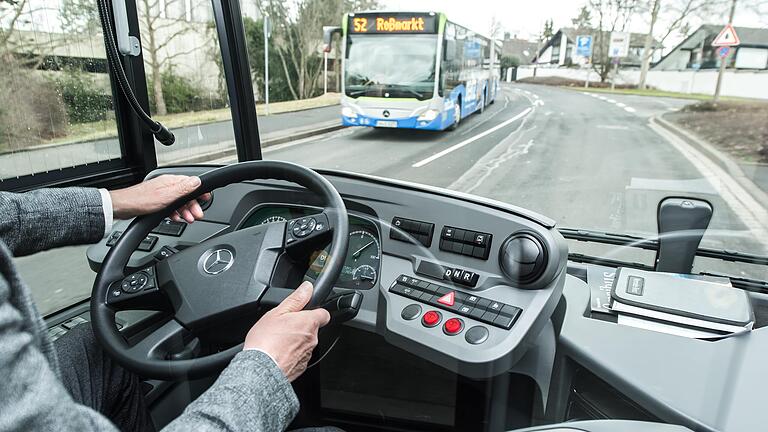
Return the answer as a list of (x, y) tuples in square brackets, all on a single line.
[(31, 396), (48, 218), (250, 395)]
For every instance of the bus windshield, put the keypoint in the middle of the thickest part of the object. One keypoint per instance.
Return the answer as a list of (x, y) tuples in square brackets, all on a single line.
[(401, 66)]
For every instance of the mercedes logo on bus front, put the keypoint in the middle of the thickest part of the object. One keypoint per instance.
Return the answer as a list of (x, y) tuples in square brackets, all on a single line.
[(218, 261), (385, 113)]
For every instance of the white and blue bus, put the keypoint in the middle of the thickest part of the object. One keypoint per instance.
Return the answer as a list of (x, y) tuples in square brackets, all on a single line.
[(414, 70)]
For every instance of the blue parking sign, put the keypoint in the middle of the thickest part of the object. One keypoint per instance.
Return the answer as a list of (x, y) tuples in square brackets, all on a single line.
[(584, 46)]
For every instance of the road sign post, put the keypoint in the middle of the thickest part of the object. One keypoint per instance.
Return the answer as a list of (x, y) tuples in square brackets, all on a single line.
[(726, 38), (617, 48), (584, 50)]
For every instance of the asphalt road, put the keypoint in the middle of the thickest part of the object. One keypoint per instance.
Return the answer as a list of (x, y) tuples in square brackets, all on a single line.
[(586, 160)]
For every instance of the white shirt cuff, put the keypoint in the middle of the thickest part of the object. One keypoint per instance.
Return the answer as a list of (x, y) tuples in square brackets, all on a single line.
[(106, 204), (265, 353)]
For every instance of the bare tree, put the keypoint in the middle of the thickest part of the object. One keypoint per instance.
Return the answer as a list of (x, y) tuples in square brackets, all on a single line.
[(612, 15), (675, 14), (14, 15), (158, 31), (297, 28)]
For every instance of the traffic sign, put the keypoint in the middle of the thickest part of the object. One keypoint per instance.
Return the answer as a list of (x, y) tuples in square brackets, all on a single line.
[(619, 46), (726, 38), (584, 46), (723, 51)]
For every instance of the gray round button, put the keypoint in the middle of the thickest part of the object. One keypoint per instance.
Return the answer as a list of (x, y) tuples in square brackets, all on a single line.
[(476, 335), (411, 312)]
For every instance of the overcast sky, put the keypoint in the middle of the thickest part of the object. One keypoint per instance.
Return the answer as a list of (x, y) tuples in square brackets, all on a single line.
[(526, 18)]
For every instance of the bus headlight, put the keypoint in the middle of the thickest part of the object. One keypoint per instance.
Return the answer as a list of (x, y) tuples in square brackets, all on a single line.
[(429, 115), (348, 112)]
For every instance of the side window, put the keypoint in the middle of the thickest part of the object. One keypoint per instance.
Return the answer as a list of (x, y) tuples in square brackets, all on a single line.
[(185, 80), (57, 110)]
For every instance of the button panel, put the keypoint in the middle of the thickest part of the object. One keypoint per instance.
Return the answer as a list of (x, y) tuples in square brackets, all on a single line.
[(420, 231), (470, 243), (141, 281), (170, 227), (469, 305), (146, 245)]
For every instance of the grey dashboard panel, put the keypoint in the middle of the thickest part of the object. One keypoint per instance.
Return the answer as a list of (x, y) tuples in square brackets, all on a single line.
[(607, 426), (705, 385), (383, 200)]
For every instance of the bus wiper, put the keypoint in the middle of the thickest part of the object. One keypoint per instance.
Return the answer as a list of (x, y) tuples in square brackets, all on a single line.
[(653, 244), (357, 92), (406, 89)]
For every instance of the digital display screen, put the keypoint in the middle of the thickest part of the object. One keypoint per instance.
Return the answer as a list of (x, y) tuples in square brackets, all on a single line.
[(392, 23)]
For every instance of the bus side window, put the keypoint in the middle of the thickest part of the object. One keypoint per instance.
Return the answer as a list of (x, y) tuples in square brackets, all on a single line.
[(449, 50)]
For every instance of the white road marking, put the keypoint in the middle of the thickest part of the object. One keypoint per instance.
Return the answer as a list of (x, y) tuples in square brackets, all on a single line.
[(470, 140), (508, 148), (629, 109), (602, 98), (613, 127), (610, 101), (538, 102), (620, 104), (489, 167), (535, 96), (741, 202)]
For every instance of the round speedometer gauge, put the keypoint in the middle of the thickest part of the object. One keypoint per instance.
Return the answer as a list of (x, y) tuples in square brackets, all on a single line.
[(363, 258), (272, 219)]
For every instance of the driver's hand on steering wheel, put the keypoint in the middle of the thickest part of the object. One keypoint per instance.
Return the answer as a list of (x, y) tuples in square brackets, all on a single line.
[(288, 333), (155, 194)]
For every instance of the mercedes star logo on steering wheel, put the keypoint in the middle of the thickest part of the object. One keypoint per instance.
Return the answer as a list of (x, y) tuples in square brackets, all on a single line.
[(218, 261)]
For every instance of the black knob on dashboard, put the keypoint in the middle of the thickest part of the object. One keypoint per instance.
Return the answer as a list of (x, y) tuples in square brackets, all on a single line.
[(523, 257)]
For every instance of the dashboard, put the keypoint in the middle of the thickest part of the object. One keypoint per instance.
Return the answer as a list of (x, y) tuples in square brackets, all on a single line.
[(361, 265), (464, 289), (462, 282)]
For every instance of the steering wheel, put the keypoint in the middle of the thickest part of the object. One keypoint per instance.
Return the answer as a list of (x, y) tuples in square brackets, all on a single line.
[(212, 283)]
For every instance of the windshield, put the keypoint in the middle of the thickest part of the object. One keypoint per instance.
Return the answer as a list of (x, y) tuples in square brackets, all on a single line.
[(574, 119), (391, 66)]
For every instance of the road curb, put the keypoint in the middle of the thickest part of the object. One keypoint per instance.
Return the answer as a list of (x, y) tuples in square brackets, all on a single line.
[(284, 137), (718, 157)]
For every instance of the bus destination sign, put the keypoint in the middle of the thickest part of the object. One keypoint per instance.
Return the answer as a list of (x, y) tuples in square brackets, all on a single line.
[(392, 23)]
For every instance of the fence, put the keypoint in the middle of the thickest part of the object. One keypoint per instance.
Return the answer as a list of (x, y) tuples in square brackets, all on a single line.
[(748, 84)]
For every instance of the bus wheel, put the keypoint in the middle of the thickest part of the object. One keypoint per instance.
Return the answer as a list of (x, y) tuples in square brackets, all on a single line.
[(482, 103), (456, 116)]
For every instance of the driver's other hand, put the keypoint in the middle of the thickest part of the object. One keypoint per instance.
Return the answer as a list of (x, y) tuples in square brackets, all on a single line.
[(157, 193), (287, 333)]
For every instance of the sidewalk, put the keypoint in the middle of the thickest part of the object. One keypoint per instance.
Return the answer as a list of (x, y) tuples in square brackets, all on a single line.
[(194, 144)]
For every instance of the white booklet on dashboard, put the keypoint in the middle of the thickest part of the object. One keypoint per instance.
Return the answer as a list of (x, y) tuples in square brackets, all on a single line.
[(701, 304)]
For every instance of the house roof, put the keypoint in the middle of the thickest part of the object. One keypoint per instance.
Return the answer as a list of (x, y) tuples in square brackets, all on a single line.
[(747, 35), (518, 48), (635, 39)]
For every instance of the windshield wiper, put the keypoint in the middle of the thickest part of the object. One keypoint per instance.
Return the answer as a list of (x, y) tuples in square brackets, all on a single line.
[(405, 88), (653, 244)]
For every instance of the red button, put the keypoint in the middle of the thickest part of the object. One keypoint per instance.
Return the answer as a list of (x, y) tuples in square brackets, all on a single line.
[(431, 318), (453, 326)]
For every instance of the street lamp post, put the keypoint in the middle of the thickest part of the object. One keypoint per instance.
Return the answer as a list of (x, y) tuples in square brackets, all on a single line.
[(267, 33), (325, 71)]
